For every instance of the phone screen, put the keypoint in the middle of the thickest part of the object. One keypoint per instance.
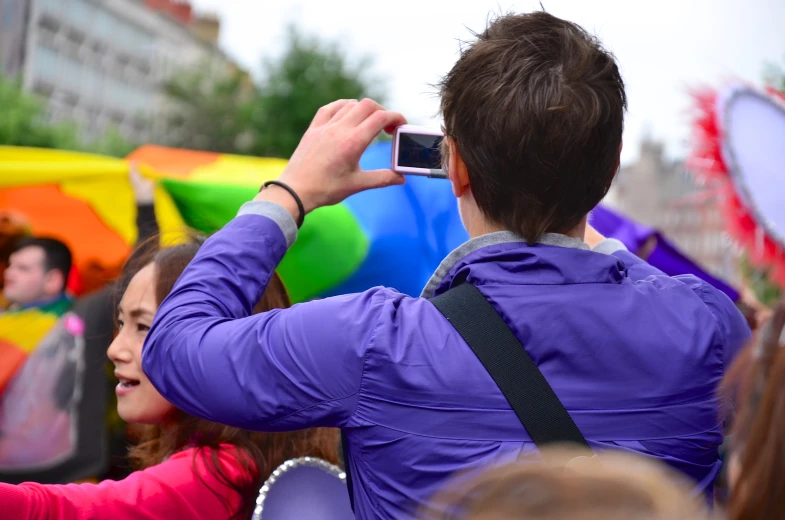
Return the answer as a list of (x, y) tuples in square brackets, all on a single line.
[(420, 151)]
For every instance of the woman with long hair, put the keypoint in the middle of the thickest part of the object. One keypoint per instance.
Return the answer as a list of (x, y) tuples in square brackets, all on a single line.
[(186, 467), (756, 385)]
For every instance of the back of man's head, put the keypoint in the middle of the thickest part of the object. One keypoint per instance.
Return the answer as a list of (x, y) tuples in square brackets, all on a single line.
[(38, 270), (535, 107)]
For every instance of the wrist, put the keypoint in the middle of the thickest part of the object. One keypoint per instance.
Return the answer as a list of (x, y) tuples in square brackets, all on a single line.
[(286, 197), (307, 197), (279, 196)]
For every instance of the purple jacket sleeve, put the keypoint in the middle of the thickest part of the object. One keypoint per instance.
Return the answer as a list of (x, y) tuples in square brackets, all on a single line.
[(280, 370), (731, 322)]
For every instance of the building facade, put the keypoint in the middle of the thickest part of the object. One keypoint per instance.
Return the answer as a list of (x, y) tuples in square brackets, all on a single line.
[(13, 23), (104, 63), (664, 195)]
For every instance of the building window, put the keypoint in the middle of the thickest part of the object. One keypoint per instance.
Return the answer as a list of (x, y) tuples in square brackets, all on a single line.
[(45, 63)]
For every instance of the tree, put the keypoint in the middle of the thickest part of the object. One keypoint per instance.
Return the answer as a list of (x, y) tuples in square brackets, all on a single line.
[(23, 121), (233, 115), (111, 143), (309, 74), (209, 114)]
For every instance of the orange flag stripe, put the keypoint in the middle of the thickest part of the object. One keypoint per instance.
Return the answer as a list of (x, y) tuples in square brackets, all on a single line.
[(73, 221)]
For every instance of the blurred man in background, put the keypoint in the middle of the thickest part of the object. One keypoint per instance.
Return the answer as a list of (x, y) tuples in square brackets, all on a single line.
[(13, 228), (37, 274)]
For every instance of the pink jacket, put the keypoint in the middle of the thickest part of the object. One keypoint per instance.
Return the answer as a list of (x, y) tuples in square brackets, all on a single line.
[(169, 490)]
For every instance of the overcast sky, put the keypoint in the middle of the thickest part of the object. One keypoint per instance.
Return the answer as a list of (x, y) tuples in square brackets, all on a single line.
[(664, 47)]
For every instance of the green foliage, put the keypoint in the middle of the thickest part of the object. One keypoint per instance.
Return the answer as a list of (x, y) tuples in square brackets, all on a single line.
[(219, 114), (767, 292), (775, 76), (23, 121), (111, 143), (233, 115), (308, 75), (210, 114)]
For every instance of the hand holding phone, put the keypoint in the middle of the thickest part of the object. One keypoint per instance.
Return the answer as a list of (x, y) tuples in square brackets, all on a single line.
[(417, 151)]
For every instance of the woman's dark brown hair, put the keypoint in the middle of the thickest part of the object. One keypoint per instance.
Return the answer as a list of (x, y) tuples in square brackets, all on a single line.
[(259, 453), (756, 383)]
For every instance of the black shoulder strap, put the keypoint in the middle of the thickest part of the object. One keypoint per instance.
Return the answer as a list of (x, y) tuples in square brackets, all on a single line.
[(346, 469), (510, 366), (521, 382)]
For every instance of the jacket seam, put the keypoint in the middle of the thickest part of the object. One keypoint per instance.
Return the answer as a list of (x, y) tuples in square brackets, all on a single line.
[(301, 410), (365, 360), (415, 434), (369, 481), (710, 397), (723, 338)]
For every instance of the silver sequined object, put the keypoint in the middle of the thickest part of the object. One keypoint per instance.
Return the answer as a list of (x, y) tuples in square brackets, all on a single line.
[(289, 465)]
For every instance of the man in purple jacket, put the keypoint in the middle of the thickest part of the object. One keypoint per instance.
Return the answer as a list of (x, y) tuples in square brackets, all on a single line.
[(533, 116)]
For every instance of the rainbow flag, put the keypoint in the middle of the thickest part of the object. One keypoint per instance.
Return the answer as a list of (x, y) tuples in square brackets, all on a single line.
[(395, 236), (21, 332), (82, 199)]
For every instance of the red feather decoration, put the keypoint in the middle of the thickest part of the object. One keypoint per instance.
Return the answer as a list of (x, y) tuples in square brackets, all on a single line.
[(707, 162)]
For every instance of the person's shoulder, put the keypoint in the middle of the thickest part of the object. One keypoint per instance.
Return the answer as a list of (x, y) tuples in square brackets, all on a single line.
[(706, 292), (380, 308), (377, 300), (733, 326), (397, 305), (715, 299)]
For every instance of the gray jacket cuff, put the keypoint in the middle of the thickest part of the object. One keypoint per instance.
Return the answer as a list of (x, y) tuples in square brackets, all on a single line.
[(274, 212), (608, 246)]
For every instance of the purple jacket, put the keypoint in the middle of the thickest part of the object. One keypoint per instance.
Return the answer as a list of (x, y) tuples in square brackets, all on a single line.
[(634, 355)]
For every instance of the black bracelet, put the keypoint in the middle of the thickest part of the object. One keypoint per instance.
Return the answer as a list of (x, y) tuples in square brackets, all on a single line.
[(294, 195)]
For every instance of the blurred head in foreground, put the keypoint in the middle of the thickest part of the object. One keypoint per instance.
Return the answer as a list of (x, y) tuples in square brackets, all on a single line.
[(568, 484)]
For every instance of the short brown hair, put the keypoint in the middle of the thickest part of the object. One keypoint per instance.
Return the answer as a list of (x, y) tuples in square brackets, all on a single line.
[(567, 484), (535, 107)]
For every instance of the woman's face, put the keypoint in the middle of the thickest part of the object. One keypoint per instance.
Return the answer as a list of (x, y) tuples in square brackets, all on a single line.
[(137, 400)]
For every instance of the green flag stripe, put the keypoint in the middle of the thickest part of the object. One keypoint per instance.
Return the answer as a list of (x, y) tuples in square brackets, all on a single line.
[(330, 246)]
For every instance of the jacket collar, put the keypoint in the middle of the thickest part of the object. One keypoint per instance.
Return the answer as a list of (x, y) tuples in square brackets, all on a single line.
[(611, 270)]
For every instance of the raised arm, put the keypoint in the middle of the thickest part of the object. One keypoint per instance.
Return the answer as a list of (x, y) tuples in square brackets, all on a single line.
[(282, 369), (206, 354), (144, 196)]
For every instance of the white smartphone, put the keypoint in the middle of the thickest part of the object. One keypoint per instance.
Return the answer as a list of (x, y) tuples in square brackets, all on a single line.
[(416, 150)]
